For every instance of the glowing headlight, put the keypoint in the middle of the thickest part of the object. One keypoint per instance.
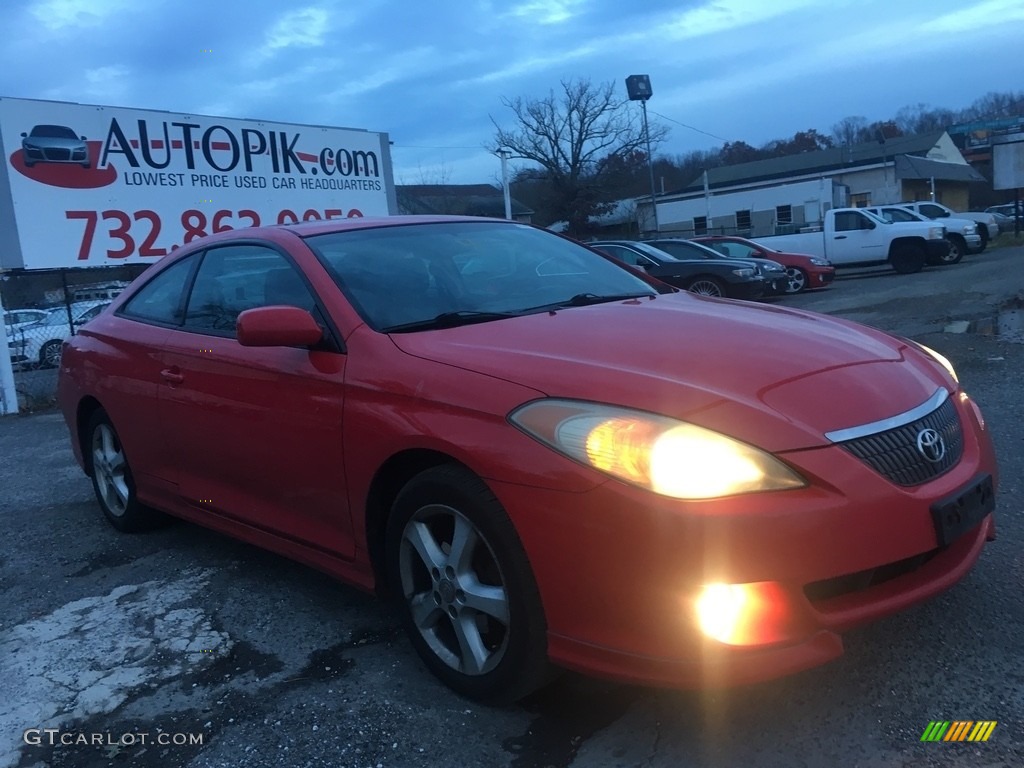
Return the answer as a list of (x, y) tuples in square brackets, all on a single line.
[(940, 359), (666, 456)]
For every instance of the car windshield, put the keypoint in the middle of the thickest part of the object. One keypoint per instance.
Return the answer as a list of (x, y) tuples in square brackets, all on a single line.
[(654, 252), (452, 272), (684, 249), (875, 217), (898, 214), (53, 132)]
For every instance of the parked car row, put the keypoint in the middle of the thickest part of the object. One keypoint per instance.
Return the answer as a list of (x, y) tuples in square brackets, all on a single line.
[(35, 336)]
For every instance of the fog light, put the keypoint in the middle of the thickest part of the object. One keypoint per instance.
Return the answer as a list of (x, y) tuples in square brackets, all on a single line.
[(742, 614)]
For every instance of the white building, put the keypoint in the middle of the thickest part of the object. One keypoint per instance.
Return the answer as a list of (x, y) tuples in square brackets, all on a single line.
[(782, 195)]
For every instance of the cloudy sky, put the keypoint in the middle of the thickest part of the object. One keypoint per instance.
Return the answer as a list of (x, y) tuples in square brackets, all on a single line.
[(432, 73)]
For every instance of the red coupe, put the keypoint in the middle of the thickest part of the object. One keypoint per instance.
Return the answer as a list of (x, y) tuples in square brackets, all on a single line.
[(804, 271), (545, 458)]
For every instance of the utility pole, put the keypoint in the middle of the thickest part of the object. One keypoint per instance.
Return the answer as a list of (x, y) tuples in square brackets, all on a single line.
[(504, 182)]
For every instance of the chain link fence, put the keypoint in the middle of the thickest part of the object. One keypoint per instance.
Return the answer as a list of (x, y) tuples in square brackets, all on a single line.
[(42, 308)]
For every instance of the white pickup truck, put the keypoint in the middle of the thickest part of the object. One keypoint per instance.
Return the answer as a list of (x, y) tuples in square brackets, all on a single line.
[(962, 233), (988, 227), (853, 237)]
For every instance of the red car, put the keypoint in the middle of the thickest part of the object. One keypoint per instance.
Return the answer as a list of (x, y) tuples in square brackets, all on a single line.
[(546, 458), (805, 272)]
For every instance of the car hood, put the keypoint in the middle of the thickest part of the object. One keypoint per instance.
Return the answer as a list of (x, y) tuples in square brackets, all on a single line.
[(773, 377)]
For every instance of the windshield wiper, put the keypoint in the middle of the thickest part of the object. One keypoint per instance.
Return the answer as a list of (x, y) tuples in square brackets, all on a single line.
[(450, 320), (585, 299)]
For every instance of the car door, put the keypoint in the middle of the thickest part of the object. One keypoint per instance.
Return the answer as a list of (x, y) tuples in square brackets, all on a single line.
[(854, 239), (131, 375), (256, 431)]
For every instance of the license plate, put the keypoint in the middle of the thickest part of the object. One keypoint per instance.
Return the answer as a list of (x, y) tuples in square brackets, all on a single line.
[(959, 513)]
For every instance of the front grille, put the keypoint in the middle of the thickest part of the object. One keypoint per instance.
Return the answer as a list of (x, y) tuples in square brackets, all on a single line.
[(894, 453), (58, 154)]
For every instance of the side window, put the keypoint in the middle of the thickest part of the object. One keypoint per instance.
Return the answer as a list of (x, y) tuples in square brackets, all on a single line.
[(848, 221), (934, 212), (161, 300), (233, 279), (624, 255)]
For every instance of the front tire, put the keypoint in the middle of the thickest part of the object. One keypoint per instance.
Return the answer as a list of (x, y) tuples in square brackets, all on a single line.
[(957, 249), (706, 286), (796, 280), (468, 598), (112, 479), (908, 258), (983, 232)]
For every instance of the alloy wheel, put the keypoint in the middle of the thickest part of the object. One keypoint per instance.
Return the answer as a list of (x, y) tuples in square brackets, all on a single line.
[(109, 466), (797, 280), (51, 354), (705, 288), (454, 589)]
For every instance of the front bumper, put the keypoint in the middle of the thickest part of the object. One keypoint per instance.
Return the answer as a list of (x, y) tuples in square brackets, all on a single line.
[(618, 568), (820, 277), (749, 290)]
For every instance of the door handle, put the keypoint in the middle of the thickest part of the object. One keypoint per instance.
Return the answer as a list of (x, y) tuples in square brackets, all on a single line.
[(840, 237), (172, 376)]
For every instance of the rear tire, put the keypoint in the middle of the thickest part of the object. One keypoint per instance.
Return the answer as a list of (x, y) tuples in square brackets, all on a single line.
[(112, 479), (49, 354), (908, 258), (468, 598)]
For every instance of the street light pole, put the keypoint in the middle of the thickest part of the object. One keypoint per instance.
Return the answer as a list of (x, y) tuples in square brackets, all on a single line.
[(638, 88), (650, 166)]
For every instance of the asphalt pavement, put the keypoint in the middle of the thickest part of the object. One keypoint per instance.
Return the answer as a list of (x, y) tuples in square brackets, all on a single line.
[(181, 647)]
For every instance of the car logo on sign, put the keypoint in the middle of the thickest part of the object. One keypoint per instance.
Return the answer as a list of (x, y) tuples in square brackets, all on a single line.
[(931, 445)]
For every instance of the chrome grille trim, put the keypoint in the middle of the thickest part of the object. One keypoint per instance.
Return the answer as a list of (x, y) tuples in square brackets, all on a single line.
[(884, 425)]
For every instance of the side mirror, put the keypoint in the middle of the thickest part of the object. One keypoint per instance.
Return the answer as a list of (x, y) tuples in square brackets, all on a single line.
[(83, 138), (23, 134), (278, 326)]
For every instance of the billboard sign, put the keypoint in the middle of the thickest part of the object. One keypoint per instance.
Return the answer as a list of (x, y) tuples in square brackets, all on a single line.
[(89, 185)]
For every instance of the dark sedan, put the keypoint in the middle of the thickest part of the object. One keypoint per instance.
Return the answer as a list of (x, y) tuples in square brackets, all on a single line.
[(803, 271), (728, 278), (775, 278)]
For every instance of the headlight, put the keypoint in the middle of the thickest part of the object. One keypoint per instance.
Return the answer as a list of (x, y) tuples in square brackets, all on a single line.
[(936, 233), (970, 229), (820, 262), (743, 272), (669, 457), (938, 358)]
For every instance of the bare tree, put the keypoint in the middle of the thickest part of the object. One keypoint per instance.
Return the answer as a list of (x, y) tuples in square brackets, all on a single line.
[(579, 137), (849, 130)]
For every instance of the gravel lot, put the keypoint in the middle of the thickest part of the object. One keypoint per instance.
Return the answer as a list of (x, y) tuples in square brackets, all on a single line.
[(183, 634)]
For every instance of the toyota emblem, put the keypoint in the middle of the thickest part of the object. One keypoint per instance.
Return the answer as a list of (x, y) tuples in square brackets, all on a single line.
[(931, 445)]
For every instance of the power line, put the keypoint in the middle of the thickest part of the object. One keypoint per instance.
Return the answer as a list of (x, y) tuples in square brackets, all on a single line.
[(417, 146), (698, 130)]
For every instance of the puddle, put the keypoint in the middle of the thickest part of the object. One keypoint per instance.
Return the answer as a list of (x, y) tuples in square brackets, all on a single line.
[(1010, 325)]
